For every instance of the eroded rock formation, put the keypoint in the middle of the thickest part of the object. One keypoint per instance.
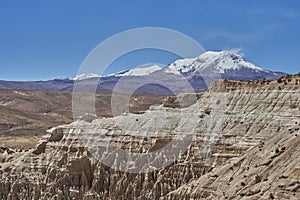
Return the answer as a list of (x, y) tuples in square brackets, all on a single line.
[(245, 145)]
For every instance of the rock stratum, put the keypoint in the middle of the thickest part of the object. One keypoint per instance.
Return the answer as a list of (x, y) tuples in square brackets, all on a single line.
[(243, 143)]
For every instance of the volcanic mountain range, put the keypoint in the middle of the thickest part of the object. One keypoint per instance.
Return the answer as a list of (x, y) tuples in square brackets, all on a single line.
[(183, 75)]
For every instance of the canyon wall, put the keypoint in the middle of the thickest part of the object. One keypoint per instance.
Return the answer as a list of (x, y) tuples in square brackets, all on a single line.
[(241, 141)]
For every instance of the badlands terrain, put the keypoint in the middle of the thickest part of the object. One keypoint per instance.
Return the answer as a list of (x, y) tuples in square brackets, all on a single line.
[(244, 144)]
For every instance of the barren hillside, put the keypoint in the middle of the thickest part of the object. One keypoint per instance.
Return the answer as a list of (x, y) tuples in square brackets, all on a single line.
[(245, 145), (26, 115)]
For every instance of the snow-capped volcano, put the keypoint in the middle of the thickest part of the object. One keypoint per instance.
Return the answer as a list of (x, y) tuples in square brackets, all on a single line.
[(229, 64), (174, 77), (218, 62)]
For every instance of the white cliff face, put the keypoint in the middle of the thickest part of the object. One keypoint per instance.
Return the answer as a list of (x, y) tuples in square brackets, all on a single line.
[(270, 170), (228, 125)]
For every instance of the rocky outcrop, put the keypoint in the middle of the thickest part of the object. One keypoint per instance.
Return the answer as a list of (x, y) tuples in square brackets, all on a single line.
[(56, 134), (40, 148), (270, 170), (244, 145)]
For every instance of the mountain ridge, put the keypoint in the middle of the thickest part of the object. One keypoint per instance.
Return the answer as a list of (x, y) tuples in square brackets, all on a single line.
[(190, 71)]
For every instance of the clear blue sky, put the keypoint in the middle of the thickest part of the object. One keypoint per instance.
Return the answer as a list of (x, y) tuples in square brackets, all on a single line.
[(45, 39)]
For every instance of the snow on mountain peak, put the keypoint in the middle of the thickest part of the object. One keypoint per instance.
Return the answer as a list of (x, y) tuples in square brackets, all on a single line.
[(181, 66), (140, 71), (219, 61), (61, 78), (226, 60), (85, 76)]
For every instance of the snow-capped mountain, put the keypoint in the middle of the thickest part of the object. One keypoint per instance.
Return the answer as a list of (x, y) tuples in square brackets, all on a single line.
[(145, 71), (218, 62), (85, 76), (228, 64)]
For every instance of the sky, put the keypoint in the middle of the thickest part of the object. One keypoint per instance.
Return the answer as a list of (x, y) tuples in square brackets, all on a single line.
[(41, 40)]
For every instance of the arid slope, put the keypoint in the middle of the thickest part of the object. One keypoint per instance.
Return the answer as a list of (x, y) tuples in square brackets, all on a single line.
[(245, 146)]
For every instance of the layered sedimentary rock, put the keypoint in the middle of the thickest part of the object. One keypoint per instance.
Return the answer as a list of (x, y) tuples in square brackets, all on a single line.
[(270, 170), (239, 140)]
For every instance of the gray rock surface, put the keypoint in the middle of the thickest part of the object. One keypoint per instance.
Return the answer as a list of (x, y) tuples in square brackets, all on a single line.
[(245, 146)]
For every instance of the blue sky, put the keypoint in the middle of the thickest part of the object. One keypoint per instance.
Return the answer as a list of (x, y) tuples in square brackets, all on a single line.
[(41, 40)]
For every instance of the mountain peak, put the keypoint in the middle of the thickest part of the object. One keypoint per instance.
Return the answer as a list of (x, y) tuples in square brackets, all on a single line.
[(139, 71), (229, 64), (218, 62), (85, 76), (228, 60)]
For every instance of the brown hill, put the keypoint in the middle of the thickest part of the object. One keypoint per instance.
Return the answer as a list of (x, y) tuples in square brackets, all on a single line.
[(30, 113)]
